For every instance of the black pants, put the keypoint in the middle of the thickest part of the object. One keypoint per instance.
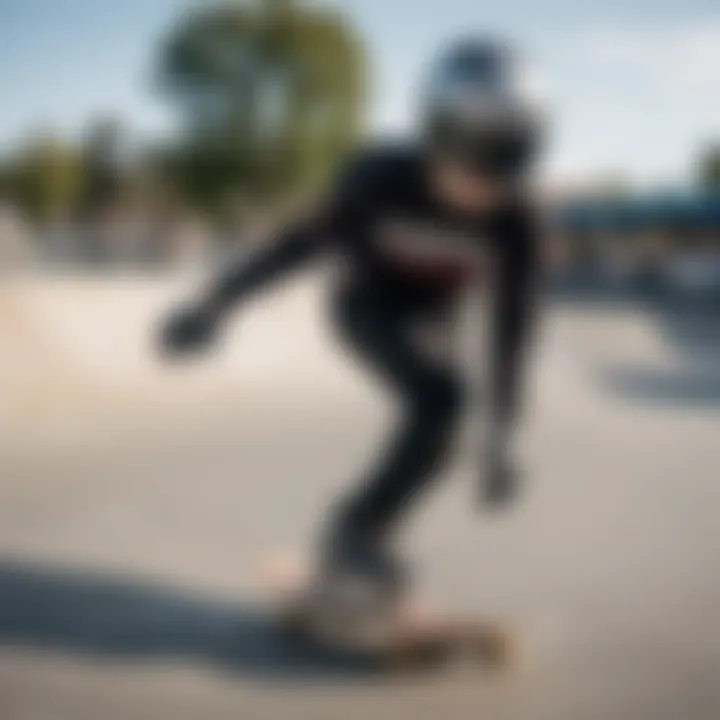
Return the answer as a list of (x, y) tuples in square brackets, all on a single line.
[(376, 326)]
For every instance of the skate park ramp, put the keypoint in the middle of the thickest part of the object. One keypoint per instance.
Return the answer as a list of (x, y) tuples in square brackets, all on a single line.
[(138, 500)]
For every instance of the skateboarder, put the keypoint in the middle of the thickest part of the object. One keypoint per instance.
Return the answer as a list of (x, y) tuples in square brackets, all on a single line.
[(415, 225)]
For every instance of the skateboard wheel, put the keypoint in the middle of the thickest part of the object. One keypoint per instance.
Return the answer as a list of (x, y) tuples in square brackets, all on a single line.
[(293, 626), (500, 650), (409, 659)]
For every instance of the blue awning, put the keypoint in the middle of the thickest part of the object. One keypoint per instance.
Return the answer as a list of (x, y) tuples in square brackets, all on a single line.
[(692, 211)]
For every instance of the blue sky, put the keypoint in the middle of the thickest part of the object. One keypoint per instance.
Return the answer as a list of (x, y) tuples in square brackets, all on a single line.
[(633, 82)]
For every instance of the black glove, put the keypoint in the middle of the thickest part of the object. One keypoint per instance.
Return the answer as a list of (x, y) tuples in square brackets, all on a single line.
[(188, 331), (501, 480)]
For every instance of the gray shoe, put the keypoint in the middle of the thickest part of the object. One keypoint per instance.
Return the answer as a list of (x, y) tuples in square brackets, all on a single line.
[(362, 559)]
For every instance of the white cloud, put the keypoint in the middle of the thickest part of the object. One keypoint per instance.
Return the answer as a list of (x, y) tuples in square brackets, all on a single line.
[(680, 65), (638, 99)]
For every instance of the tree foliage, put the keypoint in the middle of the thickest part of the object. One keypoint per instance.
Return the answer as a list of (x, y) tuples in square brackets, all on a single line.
[(101, 151), (709, 168), (44, 177), (269, 93)]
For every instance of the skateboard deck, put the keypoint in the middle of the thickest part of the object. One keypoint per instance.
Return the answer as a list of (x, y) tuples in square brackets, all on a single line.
[(412, 636)]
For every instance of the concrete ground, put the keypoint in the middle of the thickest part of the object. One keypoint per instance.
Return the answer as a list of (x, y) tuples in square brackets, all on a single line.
[(137, 502)]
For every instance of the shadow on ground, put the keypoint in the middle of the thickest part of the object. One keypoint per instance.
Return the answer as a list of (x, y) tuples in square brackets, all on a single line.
[(91, 614), (693, 378), (689, 387)]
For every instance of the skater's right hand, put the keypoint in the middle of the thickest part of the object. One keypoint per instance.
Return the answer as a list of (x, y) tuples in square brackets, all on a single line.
[(188, 331), (500, 484)]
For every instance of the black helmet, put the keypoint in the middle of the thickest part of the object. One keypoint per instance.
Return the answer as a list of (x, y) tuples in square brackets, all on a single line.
[(481, 109)]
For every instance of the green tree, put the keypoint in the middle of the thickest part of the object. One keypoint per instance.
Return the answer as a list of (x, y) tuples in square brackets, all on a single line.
[(612, 186), (45, 177), (101, 154), (6, 189), (270, 95), (709, 168)]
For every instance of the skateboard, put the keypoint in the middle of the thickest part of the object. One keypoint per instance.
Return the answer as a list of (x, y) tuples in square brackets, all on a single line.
[(406, 637)]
